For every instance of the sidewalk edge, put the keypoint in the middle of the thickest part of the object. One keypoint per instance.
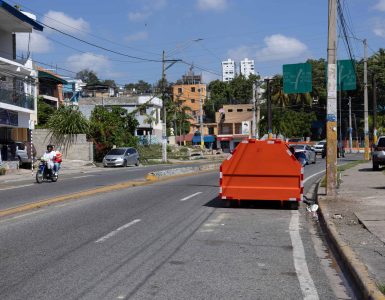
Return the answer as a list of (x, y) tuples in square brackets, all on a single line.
[(357, 270)]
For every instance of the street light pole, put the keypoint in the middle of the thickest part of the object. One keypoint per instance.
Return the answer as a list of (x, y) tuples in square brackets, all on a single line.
[(201, 116), (164, 124), (331, 127), (269, 113), (374, 87), (366, 106), (254, 128), (350, 126)]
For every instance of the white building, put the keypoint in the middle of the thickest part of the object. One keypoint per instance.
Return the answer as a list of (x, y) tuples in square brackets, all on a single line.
[(247, 67), (18, 95), (146, 110), (228, 70)]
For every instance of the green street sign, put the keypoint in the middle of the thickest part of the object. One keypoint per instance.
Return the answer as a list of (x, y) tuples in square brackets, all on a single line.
[(297, 78), (346, 76)]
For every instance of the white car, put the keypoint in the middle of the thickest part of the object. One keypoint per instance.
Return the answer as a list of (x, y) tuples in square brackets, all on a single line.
[(318, 148), (311, 156)]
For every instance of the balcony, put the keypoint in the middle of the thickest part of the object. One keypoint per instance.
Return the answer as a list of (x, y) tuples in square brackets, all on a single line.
[(13, 97)]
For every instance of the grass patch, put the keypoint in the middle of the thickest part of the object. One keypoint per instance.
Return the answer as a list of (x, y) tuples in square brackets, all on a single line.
[(341, 169), (381, 287)]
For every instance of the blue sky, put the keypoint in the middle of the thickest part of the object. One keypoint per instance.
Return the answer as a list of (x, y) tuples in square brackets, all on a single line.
[(202, 32)]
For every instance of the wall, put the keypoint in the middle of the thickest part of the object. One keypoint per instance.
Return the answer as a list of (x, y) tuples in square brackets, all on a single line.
[(81, 150), (6, 49)]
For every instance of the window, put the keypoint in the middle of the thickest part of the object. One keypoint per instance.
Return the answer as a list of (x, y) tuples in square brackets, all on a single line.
[(211, 130), (239, 110), (193, 89), (249, 109), (230, 110), (179, 90), (192, 100), (142, 111)]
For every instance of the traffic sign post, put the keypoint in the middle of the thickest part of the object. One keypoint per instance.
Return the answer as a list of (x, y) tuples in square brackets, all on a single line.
[(297, 78)]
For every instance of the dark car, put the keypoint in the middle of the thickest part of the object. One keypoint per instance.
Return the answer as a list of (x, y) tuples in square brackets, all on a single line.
[(340, 151), (378, 153)]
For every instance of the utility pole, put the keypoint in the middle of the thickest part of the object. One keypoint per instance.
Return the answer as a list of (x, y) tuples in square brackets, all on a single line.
[(374, 87), (258, 112), (331, 118), (269, 114), (340, 117), (164, 125), (201, 116), (350, 126), (254, 128), (366, 107)]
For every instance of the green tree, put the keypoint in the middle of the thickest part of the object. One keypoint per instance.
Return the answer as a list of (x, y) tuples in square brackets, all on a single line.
[(109, 127), (88, 76), (44, 112), (150, 119), (65, 124)]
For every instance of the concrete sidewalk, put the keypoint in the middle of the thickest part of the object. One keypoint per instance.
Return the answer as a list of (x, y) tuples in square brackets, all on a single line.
[(357, 217)]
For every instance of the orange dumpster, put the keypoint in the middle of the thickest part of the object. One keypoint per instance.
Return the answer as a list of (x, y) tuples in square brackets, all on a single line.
[(262, 170)]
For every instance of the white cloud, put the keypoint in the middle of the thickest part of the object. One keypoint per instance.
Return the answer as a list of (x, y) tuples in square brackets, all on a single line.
[(61, 21), (280, 47), (241, 52), (380, 5), (217, 5), (138, 36), (138, 16), (148, 8), (38, 43), (98, 63), (379, 27)]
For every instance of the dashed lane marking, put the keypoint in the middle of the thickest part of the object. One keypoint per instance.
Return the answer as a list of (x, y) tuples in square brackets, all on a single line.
[(191, 196), (116, 231)]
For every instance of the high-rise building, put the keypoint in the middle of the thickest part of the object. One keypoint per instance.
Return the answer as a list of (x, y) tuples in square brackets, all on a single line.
[(247, 67), (228, 70)]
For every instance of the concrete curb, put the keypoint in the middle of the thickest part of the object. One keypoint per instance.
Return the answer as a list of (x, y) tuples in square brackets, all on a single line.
[(358, 272), (158, 175), (105, 189)]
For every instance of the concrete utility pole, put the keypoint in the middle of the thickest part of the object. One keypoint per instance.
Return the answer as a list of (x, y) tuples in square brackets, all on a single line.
[(258, 111), (331, 118), (164, 125), (201, 116), (366, 107), (350, 126), (374, 86), (269, 113), (254, 128)]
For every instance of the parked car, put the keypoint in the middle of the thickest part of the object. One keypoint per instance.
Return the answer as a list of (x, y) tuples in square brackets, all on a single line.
[(378, 153), (122, 157), (309, 152), (21, 151), (318, 148), (301, 157)]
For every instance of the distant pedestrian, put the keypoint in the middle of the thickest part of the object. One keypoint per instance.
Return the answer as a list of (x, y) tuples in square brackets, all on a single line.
[(4, 152)]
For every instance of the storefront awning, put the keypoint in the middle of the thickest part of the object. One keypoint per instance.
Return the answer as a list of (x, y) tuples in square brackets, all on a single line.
[(206, 139)]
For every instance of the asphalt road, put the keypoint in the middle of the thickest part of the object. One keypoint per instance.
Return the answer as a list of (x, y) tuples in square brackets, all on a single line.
[(168, 240), (19, 192)]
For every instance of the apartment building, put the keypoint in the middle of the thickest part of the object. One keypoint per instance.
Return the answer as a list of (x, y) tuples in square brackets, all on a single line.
[(234, 125), (228, 70), (191, 92), (50, 87), (18, 93), (247, 67)]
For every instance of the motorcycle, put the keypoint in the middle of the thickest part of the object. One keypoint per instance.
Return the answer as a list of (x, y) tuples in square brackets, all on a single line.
[(44, 173)]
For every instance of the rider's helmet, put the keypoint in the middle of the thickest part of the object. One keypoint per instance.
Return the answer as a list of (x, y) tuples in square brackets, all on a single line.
[(49, 148)]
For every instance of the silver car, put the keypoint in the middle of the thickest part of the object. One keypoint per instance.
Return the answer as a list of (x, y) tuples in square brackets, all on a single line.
[(311, 156), (121, 157), (318, 148)]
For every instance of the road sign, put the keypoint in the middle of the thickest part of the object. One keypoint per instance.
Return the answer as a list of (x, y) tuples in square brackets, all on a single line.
[(297, 78), (346, 75)]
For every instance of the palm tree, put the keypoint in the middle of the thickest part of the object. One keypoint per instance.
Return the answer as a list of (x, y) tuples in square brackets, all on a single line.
[(149, 119), (182, 117), (278, 97)]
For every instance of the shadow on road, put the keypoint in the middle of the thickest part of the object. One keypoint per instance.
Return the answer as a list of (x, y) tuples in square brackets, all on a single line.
[(249, 204)]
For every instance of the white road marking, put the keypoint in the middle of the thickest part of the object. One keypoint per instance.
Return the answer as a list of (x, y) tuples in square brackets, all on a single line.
[(16, 187), (307, 178), (83, 176), (23, 215), (306, 283), (188, 197), (116, 231)]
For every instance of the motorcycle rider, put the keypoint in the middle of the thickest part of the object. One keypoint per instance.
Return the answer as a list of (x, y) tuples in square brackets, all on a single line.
[(49, 157)]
